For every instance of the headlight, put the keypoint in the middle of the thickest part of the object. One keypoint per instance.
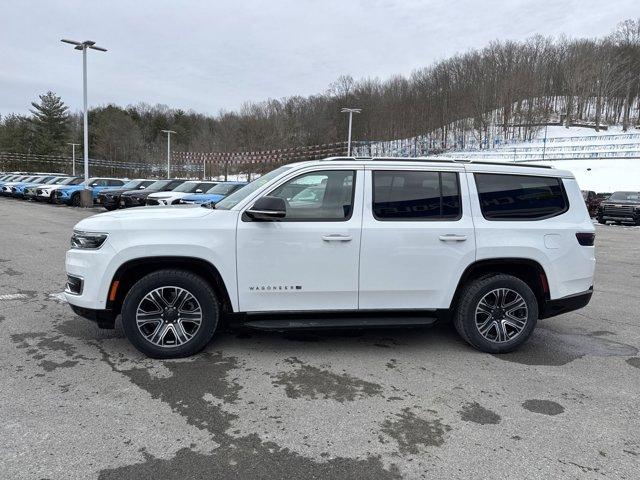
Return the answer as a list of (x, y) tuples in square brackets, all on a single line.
[(87, 240)]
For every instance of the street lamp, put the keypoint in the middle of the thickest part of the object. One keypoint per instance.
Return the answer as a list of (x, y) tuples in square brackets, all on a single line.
[(73, 154), (168, 132), (350, 111), (85, 197)]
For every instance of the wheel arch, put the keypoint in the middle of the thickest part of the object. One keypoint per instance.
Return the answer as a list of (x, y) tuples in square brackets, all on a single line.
[(133, 270), (527, 270)]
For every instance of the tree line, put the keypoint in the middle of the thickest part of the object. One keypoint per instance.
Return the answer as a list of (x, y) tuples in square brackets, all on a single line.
[(508, 87)]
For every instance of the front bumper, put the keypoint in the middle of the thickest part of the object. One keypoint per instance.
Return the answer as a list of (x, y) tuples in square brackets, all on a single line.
[(129, 201), (104, 318), (551, 308)]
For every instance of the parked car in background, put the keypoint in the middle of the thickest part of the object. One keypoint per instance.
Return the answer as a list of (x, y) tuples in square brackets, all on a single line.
[(18, 190), (110, 197), (45, 193), (7, 186), (592, 201), (138, 198), (29, 191), (10, 178), (173, 197), (620, 207), (214, 194), (70, 194)]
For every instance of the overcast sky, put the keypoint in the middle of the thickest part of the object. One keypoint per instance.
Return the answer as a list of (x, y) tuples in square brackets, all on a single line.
[(213, 55)]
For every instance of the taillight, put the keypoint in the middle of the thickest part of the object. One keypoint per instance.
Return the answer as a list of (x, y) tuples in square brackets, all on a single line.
[(586, 239)]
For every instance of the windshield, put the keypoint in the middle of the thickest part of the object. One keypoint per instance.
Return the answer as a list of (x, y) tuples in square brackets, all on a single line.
[(71, 181), (239, 195), (625, 197), (131, 185), (158, 185), (223, 189), (190, 187)]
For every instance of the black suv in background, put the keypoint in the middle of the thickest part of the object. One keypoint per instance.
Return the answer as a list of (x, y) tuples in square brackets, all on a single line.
[(622, 207), (110, 198), (138, 198)]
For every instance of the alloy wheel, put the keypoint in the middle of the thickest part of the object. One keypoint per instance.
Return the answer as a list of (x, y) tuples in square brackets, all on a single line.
[(501, 315), (169, 316)]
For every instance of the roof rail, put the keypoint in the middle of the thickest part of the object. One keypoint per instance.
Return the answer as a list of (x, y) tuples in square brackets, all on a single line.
[(432, 160)]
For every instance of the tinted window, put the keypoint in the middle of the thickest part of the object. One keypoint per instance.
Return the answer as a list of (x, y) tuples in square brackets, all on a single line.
[(323, 196), (413, 195), (520, 197)]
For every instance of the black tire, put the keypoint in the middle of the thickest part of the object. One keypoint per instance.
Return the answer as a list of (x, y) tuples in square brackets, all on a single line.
[(75, 200), (465, 315), (602, 220), (110, 207), (194, 285)]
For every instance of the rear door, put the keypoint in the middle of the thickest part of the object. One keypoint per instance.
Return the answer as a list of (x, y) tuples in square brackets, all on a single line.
[(417, 237)]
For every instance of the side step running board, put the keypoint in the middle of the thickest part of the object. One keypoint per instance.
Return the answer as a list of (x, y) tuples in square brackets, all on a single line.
[(315, 323)]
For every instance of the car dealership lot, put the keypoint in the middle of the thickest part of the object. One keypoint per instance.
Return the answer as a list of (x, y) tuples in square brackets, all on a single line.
[(78, 402)]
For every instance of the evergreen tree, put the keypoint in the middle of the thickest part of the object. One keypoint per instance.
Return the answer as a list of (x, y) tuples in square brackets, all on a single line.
[(50, 124)]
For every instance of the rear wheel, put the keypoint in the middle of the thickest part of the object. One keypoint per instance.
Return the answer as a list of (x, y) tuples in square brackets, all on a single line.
[(170, 314), (496, 313)]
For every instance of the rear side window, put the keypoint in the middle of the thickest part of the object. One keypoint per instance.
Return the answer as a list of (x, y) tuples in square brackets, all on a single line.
[(520, 197), (416, 195)]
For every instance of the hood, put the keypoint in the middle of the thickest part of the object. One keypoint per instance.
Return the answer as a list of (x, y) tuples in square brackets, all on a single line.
[(139, 193), (621, 202), (143, 217), (206, 197)]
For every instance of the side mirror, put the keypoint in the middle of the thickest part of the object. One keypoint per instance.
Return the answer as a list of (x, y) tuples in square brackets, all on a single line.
[(198, 190), (142, 187), (94, 184), (267, 209)]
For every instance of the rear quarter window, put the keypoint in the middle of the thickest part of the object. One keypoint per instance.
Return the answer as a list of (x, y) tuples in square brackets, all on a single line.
[(520, 197)]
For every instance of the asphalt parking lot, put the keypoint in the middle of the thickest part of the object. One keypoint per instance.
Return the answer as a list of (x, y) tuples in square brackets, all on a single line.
[(79, 402)]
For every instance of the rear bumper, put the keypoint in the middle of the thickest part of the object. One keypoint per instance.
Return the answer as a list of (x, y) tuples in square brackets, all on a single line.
[(104, 318), (551, 308)]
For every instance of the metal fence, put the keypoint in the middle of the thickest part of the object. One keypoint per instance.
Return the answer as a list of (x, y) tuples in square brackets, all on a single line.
[(183, 164)]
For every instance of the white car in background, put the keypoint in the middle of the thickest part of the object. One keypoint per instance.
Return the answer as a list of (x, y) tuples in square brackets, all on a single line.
[(173, 197), (45, 193)]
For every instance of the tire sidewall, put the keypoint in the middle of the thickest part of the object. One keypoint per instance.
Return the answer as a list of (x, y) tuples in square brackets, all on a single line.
[(468, 319), (194, 285)]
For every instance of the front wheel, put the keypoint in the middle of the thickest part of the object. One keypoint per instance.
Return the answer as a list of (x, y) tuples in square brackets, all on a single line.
[(496, 313), (75, 200), (170, 314)]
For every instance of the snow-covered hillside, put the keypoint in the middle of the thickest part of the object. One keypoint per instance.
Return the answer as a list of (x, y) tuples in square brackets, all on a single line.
[(602, 161)]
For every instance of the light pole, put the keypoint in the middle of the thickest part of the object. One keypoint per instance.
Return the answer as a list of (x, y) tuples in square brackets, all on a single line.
[(168, 132), (350, 111), (86, 199), (544, 142), (73, 155)]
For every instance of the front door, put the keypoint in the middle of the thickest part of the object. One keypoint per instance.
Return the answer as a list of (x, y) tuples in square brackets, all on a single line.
[(308, 260)]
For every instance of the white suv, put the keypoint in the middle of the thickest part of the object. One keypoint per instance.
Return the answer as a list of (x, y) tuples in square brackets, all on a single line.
[(343, 242)]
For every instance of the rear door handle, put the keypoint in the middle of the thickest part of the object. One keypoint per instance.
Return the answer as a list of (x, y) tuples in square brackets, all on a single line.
[(336, 238), (452, 237)]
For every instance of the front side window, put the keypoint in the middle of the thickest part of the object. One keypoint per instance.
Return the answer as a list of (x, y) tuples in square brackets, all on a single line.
[(325, 195), (416, 195), (520, 197)]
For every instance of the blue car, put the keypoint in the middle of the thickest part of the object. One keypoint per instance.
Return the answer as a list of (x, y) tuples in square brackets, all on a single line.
[(71, 195), (214, 194)]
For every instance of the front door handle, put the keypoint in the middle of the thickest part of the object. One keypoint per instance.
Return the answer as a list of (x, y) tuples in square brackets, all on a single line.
[(336, 238), (452, 237)]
